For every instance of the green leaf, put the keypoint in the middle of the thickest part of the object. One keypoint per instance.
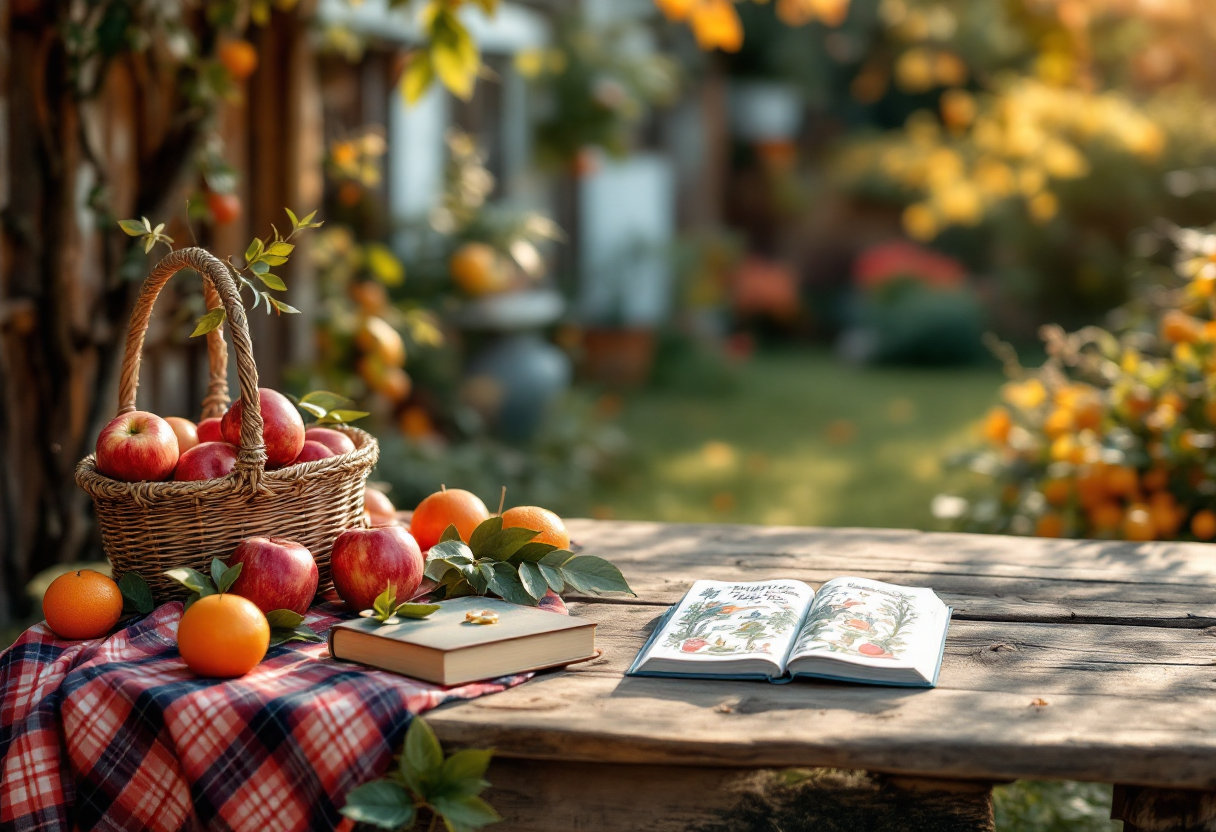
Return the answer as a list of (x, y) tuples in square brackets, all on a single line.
[(217, 571), (381, 803), (506, 543), (558, 557), (587, 573), (228, 578), (416, 610), (467, 764), (484, 531), (192, 580), (454, 54), (273, 281), (280, 249), (259, 267), (132, 228), (450, 533), (282, 307), (308, 223), (479, 578), (273, 259), (136, 596), (532, 552), (301, 632), (325, 399), (343, 416), (465, 814), (417, 78), (423, 756), (252, 253), (385, 602), (451, 549), (295, 223), (553, 577), (284, 619), (212, 320), (319, 412), (436, 568), (533, 581), (506, 584)]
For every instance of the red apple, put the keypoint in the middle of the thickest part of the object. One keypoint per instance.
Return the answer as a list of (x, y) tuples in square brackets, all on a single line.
[(209, 430), (137, 446), (365, 561), (282, 427), (335, 440), (185, 431), (312, 451), (208, 461), (278, 574), (378, 507)]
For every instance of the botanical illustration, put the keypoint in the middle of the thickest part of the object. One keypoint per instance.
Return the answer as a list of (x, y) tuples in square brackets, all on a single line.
[(870, 622), (736, 620)]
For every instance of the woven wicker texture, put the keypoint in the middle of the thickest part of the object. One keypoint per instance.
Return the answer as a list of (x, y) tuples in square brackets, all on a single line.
[(150, 527)]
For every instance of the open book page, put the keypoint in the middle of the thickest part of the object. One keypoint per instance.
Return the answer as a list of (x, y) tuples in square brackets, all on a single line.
[(884, 632), (729, 628)]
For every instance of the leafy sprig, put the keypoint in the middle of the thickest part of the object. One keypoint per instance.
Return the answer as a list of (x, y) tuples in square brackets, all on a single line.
[(425, 781), (136, 596), (285, 625), (142, 228), (513, 566), (329, 408), (385, 609), (260, 257)]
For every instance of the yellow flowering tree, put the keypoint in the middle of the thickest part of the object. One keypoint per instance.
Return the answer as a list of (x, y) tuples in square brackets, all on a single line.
[(1114, 436)]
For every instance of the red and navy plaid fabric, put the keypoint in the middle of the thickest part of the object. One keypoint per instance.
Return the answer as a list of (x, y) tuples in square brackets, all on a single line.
[(117, 734)]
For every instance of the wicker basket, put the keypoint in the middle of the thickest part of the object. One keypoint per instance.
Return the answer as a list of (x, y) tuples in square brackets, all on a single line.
[(149, 527)]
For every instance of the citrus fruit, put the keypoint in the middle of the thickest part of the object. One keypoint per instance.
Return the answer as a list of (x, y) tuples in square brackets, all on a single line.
[(477, 271), (1179, 327), (1203, 524), (1138, 523), (1059, 422), (1121, 481), (997, 425), (239, 58), (224, 208), (1049, 525), (552, 529), (223, 636), (450, 507), (1057, 492), (1106, 516), (82, 604)]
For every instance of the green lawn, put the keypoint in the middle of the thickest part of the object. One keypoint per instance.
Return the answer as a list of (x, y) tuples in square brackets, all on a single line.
[(804, 440)]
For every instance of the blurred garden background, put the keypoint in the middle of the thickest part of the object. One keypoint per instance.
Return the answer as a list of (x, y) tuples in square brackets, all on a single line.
[(770, 261)]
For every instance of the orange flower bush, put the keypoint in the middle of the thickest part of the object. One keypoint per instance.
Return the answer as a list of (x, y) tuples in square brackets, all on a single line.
[(1115, 435)]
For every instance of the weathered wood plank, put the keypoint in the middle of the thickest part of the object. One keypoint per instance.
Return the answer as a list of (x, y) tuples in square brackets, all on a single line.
[(1164, 810), (542, 796), (1039, 595)]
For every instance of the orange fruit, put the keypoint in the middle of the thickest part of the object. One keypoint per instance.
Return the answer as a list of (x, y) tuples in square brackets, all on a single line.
[(1057, 492), (477, 270), (82, 604), (224, 208), (452, 506), (1091, 489), (370, 296), (1166, 514), (223, 636), (1156, 479), (552, 529), (1179, 327), (239, 58), (1049, 525), (1106, 516), (997, 425), (1203, 524), (1121, 481), (1059, 422), (1138, 523)]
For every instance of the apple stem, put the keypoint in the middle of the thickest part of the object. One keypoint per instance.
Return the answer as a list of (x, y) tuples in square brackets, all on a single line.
[(502, 500), (442, 487)]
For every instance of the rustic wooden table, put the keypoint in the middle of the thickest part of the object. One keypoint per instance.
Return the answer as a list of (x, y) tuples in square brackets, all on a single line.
[(1075, 660)]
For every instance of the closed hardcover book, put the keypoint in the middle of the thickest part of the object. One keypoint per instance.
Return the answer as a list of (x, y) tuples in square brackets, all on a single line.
[(445, 649)]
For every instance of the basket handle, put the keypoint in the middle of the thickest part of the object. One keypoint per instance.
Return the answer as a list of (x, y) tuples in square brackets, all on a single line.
[(217, 286)]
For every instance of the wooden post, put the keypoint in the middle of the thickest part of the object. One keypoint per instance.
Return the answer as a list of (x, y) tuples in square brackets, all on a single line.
[(1147, 809)]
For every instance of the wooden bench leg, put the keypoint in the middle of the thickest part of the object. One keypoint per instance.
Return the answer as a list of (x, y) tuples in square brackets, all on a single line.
[(543, 796), (1146, 809)]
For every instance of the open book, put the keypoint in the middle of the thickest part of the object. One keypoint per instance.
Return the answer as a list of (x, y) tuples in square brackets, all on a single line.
[(854, 629)]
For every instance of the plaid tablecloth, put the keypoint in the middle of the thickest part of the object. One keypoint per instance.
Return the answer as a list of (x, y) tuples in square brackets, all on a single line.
[(117, 734)]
